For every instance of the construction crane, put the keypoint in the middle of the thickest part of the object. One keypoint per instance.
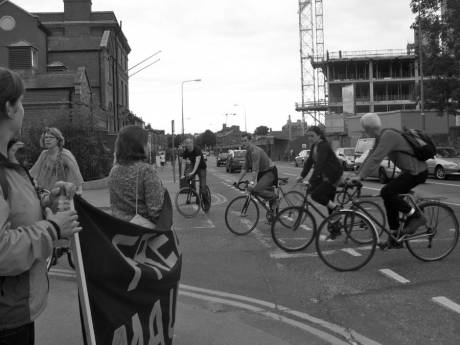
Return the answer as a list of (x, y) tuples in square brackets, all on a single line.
[(311, 32)]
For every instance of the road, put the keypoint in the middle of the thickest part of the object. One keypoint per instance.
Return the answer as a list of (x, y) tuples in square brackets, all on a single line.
[(295, 299)]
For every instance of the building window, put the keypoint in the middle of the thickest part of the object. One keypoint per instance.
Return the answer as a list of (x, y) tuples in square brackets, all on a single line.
[(22, 57)]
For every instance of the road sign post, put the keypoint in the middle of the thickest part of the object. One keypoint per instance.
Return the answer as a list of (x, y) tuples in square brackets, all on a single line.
[(173, 153)]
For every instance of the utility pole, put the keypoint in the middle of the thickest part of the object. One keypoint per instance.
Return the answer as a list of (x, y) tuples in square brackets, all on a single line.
[(173, 152), (420, 56)]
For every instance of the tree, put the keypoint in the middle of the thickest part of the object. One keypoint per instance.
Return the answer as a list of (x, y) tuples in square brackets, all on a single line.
[(441, 52), (208, 138), (261, 130)]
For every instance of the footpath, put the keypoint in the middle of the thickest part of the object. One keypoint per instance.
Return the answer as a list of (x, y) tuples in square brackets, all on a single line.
[(198, 322)]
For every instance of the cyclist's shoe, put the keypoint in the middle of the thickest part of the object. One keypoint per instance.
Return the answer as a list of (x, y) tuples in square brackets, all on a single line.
[(413, 223), (334, 229), (393, 244)]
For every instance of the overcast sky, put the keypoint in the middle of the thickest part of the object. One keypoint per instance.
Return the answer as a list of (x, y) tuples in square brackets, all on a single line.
[(245, 51)]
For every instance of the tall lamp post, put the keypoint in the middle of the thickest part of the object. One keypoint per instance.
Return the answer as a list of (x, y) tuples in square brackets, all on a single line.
[(245, 122), (420, 54), (182, 96)]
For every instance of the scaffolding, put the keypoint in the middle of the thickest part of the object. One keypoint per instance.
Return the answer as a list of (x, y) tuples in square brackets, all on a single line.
[(311, 31)]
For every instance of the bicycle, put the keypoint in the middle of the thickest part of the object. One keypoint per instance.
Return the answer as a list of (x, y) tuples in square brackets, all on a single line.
[(356, 244), (295, 228), (188, 201), (242, 213), (60, 248)]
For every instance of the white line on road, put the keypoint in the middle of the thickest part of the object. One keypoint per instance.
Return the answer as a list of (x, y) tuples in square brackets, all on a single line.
[(444, 184), (284, 255), (393, 275), (346, 333), (447, 303), (350, 251)]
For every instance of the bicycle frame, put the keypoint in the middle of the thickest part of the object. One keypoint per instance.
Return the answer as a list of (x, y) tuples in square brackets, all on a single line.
[(410, 198)]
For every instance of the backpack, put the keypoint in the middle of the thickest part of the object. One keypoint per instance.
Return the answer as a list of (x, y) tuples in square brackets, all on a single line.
[(421, 143)]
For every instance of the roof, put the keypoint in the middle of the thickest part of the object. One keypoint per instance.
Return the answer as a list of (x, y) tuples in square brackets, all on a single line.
[(59, 16)]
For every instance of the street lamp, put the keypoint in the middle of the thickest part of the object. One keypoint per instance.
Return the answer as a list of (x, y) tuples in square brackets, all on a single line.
[(244, 108), (182, 95)]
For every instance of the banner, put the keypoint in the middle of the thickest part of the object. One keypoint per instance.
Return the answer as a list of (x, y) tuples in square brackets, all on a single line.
[(132, 276)]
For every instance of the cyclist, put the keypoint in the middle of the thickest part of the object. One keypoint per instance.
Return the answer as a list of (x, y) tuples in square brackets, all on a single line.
[(390, 143), (326, 174), (264, 175), (194, 155)]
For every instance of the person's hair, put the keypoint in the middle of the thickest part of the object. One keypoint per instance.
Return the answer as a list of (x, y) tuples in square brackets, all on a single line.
[(318, 131), (11, 89), (130, 143), (246, 135), (55, 133), (371, 120)]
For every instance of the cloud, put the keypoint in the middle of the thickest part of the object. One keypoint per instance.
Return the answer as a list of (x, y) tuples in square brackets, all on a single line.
[(246, 52)]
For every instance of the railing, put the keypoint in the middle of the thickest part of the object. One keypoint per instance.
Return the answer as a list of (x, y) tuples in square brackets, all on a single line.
[(364, 54)]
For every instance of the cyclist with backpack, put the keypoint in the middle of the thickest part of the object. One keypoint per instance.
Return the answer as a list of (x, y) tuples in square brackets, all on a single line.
[(408, 150)]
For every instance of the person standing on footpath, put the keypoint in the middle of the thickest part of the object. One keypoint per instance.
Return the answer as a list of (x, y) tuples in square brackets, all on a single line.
[(26, 235), (55, 163)]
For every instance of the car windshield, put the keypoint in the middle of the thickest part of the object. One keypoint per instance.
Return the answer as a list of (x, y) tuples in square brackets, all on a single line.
[(364, 144), (349, 152), (240, 154), (447, 152)]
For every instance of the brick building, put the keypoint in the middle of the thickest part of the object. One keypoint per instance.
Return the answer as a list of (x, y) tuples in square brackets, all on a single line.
[(74, 63), (228, 138)]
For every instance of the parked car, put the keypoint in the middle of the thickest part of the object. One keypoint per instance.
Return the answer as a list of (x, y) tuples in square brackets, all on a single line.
[(222, 159), (236, 160), (445, 163), (346, 155), (386, 172), (363, 145), (301, 158)]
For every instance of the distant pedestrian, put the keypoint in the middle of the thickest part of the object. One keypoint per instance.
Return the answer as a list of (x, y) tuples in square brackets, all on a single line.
[(134, 185), (162, 159), (26, 236), (55, 163)]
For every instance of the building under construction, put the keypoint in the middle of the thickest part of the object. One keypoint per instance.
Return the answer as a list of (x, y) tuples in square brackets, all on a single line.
[(370, 81)]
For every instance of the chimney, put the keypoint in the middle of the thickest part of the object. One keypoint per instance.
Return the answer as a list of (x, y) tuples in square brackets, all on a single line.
[(77, 10)]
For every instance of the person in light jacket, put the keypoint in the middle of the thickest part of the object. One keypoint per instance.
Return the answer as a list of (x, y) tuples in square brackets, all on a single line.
[(26, 235)]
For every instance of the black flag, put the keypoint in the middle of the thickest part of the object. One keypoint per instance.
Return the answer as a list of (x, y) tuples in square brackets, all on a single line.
[(132, 276)]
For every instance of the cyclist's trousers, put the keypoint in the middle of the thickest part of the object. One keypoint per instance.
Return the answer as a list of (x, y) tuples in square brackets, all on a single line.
[(394, 203), (202, 176)]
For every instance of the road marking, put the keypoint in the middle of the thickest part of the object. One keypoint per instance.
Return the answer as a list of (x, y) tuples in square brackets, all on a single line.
[(285, 173), (63, 273), (393, 275), (278, 255), (445, 184), (346, 333), (260, 237), (350, 251), (314, 331), (447, 303)]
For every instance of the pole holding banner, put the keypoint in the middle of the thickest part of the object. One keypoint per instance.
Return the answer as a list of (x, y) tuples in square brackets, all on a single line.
[(83, 289)]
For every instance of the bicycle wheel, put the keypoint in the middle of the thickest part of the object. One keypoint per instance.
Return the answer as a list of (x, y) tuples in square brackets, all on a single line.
[(242, 215), (378, 217), (51, 260), (342, 197), (345, 252), (291, 198), (188, 202), (206, 199), (293, 229), (438, 238)]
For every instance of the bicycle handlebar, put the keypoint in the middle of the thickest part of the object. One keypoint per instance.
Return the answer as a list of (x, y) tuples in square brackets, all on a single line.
[(237, 185)]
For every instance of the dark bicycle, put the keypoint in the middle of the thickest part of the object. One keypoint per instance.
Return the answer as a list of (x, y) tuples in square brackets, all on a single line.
[(358, 239), (242, 213), (60, 248), (188, 201), (295, 228)]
